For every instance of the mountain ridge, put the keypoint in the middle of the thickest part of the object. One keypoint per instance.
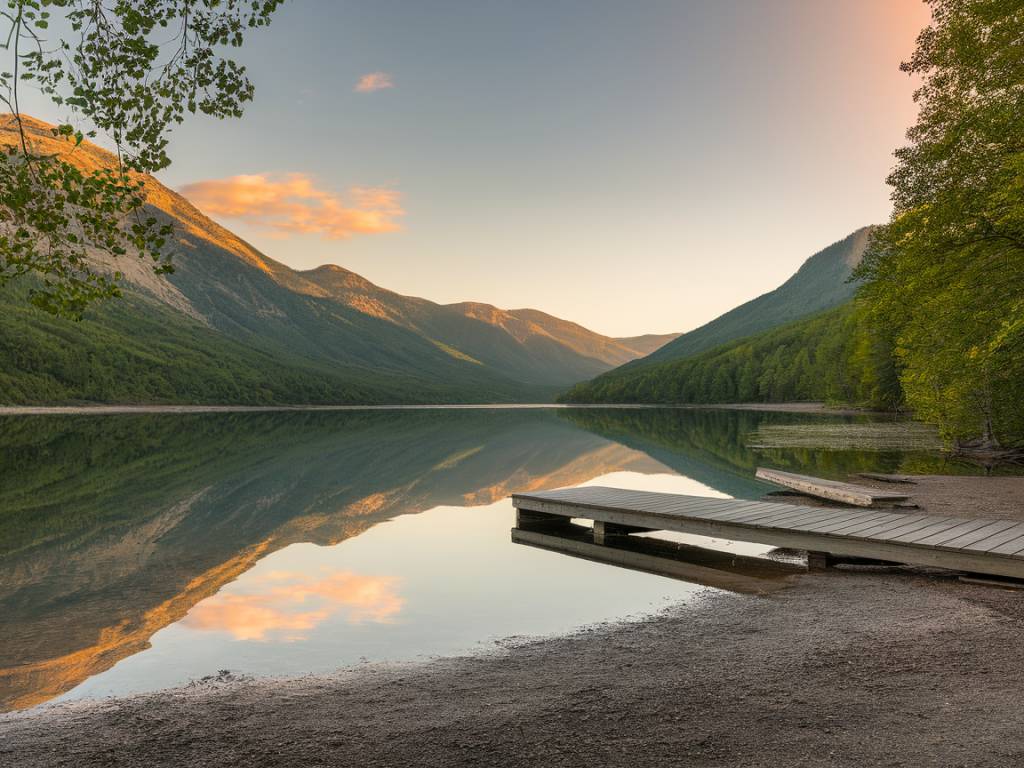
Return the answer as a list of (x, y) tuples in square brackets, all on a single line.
[(330, 322), (822, 283)]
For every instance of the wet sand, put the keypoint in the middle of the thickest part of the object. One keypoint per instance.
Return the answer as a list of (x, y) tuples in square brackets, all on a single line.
[(851, 667)]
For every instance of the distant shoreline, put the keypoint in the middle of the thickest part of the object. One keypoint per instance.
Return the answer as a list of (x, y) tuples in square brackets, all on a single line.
[(112, 410)]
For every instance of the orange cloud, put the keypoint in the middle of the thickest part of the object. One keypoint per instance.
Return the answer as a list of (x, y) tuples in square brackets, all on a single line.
[(290, 604), (375, 81), (293, 204)]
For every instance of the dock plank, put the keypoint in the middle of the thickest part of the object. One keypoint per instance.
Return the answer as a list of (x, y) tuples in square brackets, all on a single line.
[(833, 490), (953, 533), (851, 518), (883, 526), (1011, 547), (922, 521), (721, 511), (842, 526), (980, 534), (745, 512), (794, 516), (993, 547), (920, 534), (987, 545)]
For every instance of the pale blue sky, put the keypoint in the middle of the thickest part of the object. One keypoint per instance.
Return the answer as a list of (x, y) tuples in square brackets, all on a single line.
[(635, 166)]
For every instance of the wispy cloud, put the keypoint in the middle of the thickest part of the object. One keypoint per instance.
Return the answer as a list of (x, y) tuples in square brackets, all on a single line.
[(374, 81), (293, 204)]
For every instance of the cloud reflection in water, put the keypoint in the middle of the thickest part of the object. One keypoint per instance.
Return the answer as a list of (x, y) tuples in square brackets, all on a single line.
[(284, 605)]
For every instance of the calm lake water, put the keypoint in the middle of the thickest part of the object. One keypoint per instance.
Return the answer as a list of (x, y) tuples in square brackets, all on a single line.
[(139, 552)]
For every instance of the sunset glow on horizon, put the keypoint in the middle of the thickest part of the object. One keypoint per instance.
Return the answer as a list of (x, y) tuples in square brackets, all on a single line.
[(632, 167)]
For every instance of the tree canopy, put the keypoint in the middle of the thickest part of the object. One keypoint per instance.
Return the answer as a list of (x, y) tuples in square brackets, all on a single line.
[(946, 274), (128, 70), (831, 356)]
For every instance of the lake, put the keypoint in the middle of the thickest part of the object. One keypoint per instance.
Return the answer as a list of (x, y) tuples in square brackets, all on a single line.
[(139, 552)]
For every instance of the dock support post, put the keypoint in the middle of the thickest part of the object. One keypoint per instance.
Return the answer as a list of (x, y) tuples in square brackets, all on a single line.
[(603, 530), (819, 561)]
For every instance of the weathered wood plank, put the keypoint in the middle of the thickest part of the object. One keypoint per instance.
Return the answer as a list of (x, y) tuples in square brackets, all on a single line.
[(882, 523), (848, 493), (749, 511), (913, 537), (938, 539), (709, 511), (1009, 548), (997, 582), (980, 534), (842, 526), (849, 517), (720, 511), (987, 545), (794, 516), (876, 530), (819, 515), (710, 507), (924, 521)]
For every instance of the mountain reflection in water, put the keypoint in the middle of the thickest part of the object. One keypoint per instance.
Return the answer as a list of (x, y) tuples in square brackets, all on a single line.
[(114, 528)]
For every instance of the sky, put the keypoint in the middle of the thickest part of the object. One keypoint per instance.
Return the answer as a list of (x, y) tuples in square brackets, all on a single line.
[(636, 166)]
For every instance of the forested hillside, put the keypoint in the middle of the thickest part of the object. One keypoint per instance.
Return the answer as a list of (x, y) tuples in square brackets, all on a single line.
[(830, 356), (134, 350), (802, 341), (946, 274), (822, 282)]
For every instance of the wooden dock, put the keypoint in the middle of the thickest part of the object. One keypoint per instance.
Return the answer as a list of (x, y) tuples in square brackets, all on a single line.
[(990, 547), (848, 493)]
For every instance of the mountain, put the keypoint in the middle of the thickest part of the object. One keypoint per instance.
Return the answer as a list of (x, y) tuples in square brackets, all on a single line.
[(772, 348), (590, 344), (811, 359), (833, 356), (820, 283), (528, 344), (233, 325), (648, 342)]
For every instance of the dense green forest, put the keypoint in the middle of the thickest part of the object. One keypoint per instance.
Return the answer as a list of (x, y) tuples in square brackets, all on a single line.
[(946, 275), (832, 356), (138, 351), (821, 283)]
